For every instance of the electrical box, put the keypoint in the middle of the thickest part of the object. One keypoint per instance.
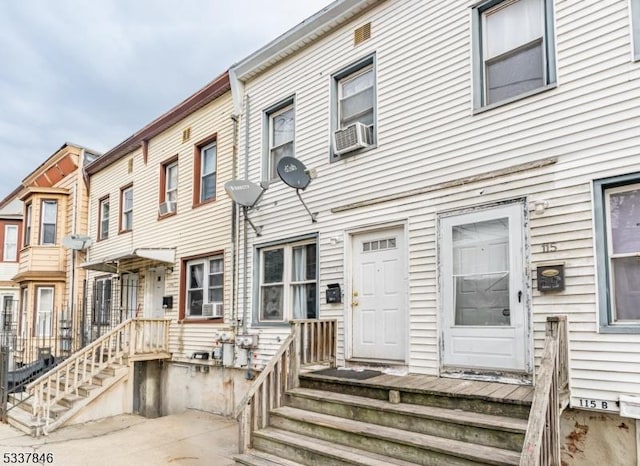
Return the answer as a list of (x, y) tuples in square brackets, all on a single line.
[(167, 302), (227, 354), (243, 357), (550, 278), (247, 341), (333, 293)]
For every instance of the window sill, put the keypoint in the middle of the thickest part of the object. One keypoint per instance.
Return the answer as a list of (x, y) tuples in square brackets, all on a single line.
[(208, 201), (162, 217), (517, 98), (620, 328), (216, 320), (122, 232)]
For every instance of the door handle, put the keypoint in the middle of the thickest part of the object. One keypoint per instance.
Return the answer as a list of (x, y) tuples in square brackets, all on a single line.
[(519, 296)]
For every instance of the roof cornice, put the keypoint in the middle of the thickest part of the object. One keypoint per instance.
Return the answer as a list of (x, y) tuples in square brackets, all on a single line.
[(308, 31)]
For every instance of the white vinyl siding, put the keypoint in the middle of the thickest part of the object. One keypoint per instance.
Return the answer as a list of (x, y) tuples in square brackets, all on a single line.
[(429, 139), (195, 231)]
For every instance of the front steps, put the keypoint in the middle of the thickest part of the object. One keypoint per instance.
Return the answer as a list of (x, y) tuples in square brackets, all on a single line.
[(21, 407), (394, 420)]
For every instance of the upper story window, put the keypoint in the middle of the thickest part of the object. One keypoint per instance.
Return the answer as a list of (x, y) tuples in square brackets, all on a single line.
[(48, 221), (617, 221), (203, 287), (169, 187), (126, 209), (205, 168), (288, 282), (353, 119), (513, 49), (28, 218), (635, 28), (10, 249), (103, 218), (281, 132)]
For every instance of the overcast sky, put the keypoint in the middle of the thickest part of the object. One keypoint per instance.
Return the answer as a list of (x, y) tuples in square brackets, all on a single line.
[(94, 72)]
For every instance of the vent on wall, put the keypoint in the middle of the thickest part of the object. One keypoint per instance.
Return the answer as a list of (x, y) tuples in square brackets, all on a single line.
[(362, 33), (130, 166), (186, 134)]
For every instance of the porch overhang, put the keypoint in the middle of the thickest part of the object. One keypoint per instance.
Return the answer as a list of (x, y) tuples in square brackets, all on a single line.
[(113, 264)]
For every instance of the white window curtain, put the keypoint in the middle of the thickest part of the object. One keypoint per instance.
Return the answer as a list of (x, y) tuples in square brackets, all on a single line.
[(299, 290)]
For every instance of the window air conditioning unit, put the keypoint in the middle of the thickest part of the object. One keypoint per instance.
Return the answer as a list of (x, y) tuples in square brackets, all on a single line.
[(212, 310), (353, 137), (167, 208)]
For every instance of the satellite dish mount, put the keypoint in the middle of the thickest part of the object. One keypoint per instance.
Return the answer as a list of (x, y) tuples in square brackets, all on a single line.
[(246, 194), (293, 172)]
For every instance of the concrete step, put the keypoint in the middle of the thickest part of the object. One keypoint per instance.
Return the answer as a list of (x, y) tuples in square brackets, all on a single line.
[(24, 421), (312, 451), (260, 458), (396, 443), (492, 403), (478, 428)]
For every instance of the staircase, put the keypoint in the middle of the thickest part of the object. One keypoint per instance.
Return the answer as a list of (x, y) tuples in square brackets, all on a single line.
[(394, 420), (292, 418), (62, 393)]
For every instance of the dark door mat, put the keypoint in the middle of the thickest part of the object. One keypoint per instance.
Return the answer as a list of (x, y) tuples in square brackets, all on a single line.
[(348, 374)]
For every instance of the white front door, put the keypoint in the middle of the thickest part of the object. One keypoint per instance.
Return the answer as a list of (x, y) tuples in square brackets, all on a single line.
[(154, 293), (483, 308), (378, 296)]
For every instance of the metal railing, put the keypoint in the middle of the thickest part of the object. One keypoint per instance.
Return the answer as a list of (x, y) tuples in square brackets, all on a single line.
[(131, 338), (310, 341), (551, 394)]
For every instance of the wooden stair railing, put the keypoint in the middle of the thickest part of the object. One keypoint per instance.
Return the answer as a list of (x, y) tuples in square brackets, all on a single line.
[(310, 341), (130, 338), (551, 396)]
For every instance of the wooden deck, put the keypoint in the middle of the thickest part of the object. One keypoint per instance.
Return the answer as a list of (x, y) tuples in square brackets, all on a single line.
[(490, 391)]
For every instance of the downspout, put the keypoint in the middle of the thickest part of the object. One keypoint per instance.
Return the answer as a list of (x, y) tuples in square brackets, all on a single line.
[(245, 308)]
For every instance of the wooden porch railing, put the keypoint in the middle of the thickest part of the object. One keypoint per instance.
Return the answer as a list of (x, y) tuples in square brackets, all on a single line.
[(130, 338), (551, 396), (310, 341)]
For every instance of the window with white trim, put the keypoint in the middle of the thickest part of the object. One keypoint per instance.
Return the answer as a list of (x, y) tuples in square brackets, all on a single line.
[(513, 49), (27, 224), (44, 311), (353, 114), (208, 161), (281, 128), (617, 219), (288, 283), (204, 287), (103, 213), (48, 221), (10, 247), (126, 209)]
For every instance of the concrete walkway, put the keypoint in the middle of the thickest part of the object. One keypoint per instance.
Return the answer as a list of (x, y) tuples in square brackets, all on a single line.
[(190, 439)]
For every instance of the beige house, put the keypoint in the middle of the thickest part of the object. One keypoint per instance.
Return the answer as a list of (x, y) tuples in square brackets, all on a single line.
[(160, 224), (54, 199)]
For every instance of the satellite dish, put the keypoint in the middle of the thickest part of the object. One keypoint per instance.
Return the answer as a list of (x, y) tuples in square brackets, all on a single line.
[(76, 242), (243, 192), (293, 172)]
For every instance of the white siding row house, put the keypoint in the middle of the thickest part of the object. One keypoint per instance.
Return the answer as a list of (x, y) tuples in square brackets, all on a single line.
[(474, 168)]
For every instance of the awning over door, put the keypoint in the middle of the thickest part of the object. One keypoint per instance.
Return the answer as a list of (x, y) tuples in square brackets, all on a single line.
[(112, 264)]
